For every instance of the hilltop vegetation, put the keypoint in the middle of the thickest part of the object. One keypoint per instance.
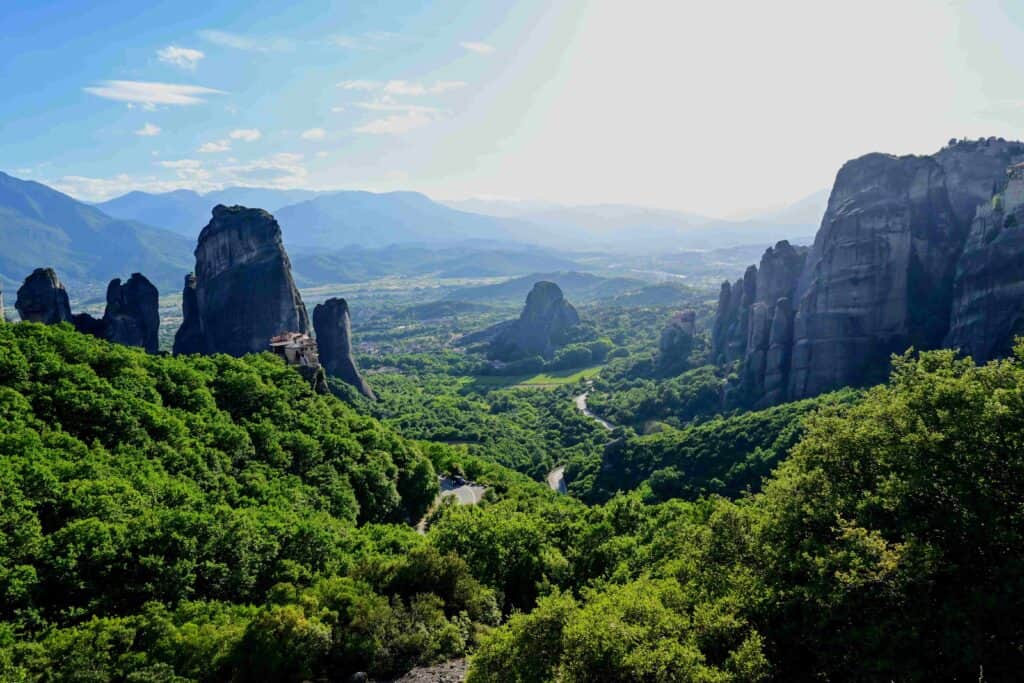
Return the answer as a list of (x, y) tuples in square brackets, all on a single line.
[(212, 519)]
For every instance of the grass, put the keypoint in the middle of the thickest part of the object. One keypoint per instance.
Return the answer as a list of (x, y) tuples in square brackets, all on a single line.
[(543, 380)]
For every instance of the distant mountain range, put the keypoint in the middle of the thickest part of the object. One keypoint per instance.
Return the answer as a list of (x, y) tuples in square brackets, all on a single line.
[(335, 220), (353, 236), (186, 212), (40, 226)]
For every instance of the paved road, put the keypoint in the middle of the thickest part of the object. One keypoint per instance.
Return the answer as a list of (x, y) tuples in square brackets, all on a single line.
[(581, 404), (556, 477), (466, 495)]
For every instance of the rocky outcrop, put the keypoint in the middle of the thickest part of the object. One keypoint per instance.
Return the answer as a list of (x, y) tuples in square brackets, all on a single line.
[(242, 293), (333, 326), (3, 313), (988, 291), (542, 327), (879, 277), (132, 316), (43, 299)]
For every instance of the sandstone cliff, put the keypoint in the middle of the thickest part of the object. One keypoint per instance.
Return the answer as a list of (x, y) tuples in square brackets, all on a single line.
[(43, 299), (879, 277), (541, 328), (333, 326), (242, 293)]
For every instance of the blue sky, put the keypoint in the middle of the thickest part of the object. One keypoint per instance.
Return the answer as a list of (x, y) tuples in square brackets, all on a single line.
[(720, 108)]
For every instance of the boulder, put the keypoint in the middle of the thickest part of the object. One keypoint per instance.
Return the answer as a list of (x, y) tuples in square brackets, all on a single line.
[(43, 299), (242, 292), (542, 327), (333, 326)]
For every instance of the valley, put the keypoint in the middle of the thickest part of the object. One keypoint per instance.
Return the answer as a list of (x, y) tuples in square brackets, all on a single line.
[(514, 341)]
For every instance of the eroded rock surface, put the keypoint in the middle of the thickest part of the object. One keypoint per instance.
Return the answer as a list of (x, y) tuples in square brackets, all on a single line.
[(333, 325), (541, 328), (43, 299), (132, 315), (242, 292), (896, 236)]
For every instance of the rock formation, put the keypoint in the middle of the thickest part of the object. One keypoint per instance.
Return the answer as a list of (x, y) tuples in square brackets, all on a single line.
[(676, 343), (333, 326), (988, 291), (541, 328), (242, 293), (43, 299), (3, 314), (880, 275), (132, 316)]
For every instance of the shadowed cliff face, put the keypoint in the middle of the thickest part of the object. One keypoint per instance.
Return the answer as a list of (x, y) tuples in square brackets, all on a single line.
[(132, 315), (878, 279), (333, 326), (43, 299), (243, 292), (988, 292), (545, 320)]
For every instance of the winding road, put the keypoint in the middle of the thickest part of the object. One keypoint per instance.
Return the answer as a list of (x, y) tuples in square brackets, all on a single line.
[(464, 494), (556, 477)]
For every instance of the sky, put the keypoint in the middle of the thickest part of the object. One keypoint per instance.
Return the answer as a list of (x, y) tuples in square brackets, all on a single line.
[(718, 108)]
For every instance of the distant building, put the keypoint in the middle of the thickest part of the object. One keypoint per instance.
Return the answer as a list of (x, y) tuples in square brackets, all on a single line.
[(297, 349)]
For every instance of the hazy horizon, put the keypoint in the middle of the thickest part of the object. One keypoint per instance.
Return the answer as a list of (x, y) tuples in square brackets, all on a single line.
[(654, 104)]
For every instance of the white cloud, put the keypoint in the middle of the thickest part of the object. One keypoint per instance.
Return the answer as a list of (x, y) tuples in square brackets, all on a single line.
[(246, 134), (314, 134), (250, 44), (387, 105), (284, 171), (181, 163), (337, 110), (360, 85), (321, 155), (477, 47), (215, 146), (151, 94), (396, 123), (400, 87), (184, 57), (148, 130)]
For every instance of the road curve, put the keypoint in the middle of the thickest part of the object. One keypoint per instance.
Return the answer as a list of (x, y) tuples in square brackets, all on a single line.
[(581, 405)]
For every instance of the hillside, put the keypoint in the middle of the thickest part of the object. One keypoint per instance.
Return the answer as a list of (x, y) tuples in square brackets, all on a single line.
[(42, 227), (340, 219), (186, 212), (358, 264), (582, 287)]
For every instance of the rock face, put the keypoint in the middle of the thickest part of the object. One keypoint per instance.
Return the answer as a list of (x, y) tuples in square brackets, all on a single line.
[(988, 292), (242, 293), (43, 299), (333, 326), (132, 316), (880, 275), (541, 327)]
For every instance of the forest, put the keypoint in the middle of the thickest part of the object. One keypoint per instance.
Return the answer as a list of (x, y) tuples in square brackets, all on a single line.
[(208, 519)]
